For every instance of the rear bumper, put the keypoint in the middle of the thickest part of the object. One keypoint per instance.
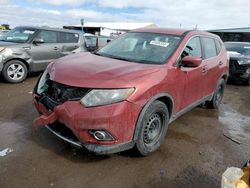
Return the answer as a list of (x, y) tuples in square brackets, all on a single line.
[(118, 120)]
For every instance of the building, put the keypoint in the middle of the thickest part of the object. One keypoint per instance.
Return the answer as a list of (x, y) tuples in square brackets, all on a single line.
[(4, 27), (233, 34), (109, 28)]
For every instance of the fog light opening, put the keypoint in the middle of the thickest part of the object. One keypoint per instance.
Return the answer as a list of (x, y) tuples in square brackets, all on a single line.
[(101, 135)]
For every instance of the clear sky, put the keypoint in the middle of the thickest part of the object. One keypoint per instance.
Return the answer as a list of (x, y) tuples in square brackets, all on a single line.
[(206, 14)]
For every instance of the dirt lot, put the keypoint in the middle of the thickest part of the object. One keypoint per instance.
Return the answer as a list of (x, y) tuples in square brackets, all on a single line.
[(195, 152)]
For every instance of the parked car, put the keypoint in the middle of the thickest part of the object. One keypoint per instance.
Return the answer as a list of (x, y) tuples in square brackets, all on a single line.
[(30, 49), (125, 94), (239, 64), (2, 32)]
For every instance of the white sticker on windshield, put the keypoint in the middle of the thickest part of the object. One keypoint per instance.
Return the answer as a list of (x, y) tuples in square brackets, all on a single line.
[(247, 47), (29, 32), (159, 43)]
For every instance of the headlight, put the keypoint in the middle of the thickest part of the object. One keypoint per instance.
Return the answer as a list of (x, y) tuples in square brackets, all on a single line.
[(2, 48), (244, 62), (42, 86), (98, 97)]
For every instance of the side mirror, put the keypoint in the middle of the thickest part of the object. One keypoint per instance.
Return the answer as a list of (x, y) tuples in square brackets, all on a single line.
[(38, 41), (191, 61)]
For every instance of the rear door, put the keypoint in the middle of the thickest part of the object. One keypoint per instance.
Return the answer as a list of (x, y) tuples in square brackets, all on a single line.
[(69, 42), (211, 64), (44, 53), (194, 77)]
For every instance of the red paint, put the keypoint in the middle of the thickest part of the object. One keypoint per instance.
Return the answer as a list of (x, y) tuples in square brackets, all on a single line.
[(185, 85)]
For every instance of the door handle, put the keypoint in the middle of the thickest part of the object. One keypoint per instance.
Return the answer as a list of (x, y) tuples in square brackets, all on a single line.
[(204, 70), (220, 63), (56, 48)]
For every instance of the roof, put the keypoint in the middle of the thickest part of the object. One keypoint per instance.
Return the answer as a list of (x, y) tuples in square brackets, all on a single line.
[(117, 25), (163, 30), (52, 29), (232, 30)]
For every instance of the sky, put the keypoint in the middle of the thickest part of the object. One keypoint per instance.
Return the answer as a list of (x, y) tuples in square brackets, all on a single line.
[(203, 14)]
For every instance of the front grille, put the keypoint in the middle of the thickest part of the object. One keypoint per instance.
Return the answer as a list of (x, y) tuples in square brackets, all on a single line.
[(61, 93), (56, 93), (234, 66)]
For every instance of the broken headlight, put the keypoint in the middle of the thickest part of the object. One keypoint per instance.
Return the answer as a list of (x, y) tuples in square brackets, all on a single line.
[(42, 86), (99, 97)]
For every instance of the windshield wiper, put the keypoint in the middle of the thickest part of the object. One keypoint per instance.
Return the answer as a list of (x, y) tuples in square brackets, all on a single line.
[(96, 53), (115, 57)]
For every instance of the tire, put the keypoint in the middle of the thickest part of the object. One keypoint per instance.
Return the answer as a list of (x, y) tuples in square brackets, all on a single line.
[(218, 95), (246, 82), (153, 128), (14, 71)]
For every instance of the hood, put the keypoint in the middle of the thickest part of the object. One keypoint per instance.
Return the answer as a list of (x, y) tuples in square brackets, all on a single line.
[(3, 44), (93, 71), (236, 55)]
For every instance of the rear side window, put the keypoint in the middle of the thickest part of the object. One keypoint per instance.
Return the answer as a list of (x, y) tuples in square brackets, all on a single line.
[(193, 48), (48, 36), (209, 47), (218, 46), (68, 37)]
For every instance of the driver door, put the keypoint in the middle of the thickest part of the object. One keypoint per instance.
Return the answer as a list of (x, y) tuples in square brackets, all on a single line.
[(44, 53), (194, 77)]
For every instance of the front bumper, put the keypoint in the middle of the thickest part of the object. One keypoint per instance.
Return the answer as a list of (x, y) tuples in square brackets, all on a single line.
[(117, 119), (239, 75), (238, 72)]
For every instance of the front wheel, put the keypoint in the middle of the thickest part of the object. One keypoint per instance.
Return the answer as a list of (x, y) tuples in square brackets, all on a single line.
[(153, 128), (218, 95), (14, 71)]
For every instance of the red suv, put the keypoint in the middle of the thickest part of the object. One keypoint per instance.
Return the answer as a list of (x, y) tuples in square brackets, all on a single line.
[(124, 95)]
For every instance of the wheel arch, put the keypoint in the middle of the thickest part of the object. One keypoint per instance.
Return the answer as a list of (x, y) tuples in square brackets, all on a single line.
[(225, 77), (19, 59), (166, 98)]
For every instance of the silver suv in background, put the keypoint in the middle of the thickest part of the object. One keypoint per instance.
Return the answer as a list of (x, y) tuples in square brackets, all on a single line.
[(30, 49)]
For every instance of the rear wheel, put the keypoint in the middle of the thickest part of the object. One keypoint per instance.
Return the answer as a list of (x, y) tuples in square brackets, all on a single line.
[(153, 128), (218, 95), (14, 71)]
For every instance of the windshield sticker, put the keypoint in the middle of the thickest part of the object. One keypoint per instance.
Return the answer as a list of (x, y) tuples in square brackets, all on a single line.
[(159, 43), (29, 32), (247, 47)]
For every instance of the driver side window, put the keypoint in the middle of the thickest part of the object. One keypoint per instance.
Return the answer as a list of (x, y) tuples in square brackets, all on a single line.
[(193, 48), (48, 36)]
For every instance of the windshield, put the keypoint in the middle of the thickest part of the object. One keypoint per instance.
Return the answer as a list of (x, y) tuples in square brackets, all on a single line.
[(19, 35), (149, 48), (238, 48)]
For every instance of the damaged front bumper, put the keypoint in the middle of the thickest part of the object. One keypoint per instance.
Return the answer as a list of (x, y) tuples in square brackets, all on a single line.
[(73, 123)]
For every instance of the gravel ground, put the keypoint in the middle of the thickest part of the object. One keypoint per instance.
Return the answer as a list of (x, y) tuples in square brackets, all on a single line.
[(194, 154)]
